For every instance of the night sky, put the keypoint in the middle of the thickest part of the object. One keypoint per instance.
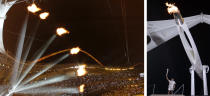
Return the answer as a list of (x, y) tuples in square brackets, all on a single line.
[(96, 26), (171, 54)]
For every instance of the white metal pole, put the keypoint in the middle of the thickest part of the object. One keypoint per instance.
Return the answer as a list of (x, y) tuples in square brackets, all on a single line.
[(205, 87), (192, 81)]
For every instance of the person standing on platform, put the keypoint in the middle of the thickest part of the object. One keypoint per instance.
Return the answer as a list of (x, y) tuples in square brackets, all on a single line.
[(171, 83)]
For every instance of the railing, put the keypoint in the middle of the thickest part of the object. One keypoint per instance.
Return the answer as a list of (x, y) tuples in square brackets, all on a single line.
[(182, 86)]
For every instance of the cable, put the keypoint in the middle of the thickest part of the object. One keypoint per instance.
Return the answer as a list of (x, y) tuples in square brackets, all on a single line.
[(110, 6), (123, 7)]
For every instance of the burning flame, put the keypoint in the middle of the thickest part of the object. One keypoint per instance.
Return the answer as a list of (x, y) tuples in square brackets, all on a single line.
[(81, 88), (33, 8), (171, 8), (81, 70), (60, 31), (75, 50), (44, 15)]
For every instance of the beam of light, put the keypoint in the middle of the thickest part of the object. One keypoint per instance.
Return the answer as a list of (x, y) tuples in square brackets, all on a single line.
[(27, 49), (81, 88), (51, 90), (9, 94), (45, 69), (81, 70), (44, 82), (19, 52), (75, 50), (44, 15), (33, 8), (61, 31), (171, 8), (36, 56)]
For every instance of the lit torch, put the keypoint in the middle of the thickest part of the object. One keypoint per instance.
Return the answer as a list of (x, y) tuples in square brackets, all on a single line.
[(81, 88), (44, 15), (81, 70), (33, 8), (75, 50), (61, 31), (172, 9)]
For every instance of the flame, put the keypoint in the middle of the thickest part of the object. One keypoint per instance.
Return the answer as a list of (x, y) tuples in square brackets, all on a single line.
[(33, 8), (75, 50), (171, 8), (61, 31), (81, 88), (81, 70), (44, 15)]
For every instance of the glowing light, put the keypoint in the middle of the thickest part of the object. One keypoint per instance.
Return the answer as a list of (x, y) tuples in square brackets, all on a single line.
[(33, 8), (75, 50), (61, 31), (116, 69), (44, 15), (81, 88), (81, 70), (172, 8), (131, 68)]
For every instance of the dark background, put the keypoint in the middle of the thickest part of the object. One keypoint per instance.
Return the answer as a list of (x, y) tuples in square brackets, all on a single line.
[(171, 54), (96, 26)]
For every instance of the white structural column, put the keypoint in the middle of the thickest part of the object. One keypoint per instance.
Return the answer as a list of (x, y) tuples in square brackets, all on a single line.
[(4, 8), (1, 33), (192, 72), (205, 87)]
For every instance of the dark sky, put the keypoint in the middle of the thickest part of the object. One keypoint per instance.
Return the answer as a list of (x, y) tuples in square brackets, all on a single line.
[(96, 26), (171, 54)]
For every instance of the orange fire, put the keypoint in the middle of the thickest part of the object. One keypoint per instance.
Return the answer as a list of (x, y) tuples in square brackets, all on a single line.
[(81, 70), (44, 15), (171, 8), (33, 8), (61, 31), (81, 88), (75, 50)]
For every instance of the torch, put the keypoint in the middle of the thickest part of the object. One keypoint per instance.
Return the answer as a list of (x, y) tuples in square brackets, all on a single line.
[(172, 9), (61, 31), (33, 8), (44, 15)]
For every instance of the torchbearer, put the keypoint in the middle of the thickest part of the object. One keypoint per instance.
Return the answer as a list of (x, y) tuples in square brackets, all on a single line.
[(171, 85)]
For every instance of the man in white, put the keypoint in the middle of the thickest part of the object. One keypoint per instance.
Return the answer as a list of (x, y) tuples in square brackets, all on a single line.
[(171, 85)]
